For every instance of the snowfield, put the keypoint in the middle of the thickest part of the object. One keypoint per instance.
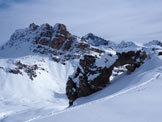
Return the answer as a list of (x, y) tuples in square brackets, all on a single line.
[(134, 98), (20, 96)]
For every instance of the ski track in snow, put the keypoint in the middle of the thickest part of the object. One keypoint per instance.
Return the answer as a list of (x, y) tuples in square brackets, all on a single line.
[(99, 100)]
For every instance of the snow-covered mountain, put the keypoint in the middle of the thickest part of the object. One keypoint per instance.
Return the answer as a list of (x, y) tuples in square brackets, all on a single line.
[(97, 41), (154, 43), (129, 44), (45, 68)]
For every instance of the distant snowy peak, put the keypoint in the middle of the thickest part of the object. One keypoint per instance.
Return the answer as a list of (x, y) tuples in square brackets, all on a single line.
[(96, 41), (154, 43), (128, 44)]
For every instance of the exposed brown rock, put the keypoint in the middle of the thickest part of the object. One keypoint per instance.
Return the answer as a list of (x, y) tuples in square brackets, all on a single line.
[(78, 85), (46, 33), (68, 44), (60, 29), (61, 36), (54, 37), (29, 69), (57, 42)]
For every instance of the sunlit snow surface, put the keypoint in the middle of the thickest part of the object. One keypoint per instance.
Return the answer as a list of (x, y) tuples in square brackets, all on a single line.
[(133, 98), (22, 96)]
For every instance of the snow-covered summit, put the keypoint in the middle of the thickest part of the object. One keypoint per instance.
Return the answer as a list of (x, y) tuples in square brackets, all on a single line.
[(128, 44), (97, 41), (154, 43)]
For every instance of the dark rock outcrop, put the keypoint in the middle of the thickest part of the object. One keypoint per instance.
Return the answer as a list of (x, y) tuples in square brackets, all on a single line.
[(80, 85), (133, 59), (53, 37), (29, 69), (61, 36), (15, 71), (90, 78), (160, 53)]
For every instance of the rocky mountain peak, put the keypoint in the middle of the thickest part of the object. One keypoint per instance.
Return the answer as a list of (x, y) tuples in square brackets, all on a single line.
[(45, 39), (61, 36), (154, 43), (94, 40), (44, 35), (33, 26), (59, 28), (125, 44), (90, 36)]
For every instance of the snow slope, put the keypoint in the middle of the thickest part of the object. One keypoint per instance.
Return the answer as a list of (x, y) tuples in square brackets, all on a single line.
[(134, 98), (25, 100), (21, 95)]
